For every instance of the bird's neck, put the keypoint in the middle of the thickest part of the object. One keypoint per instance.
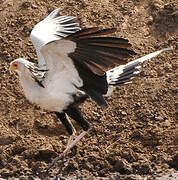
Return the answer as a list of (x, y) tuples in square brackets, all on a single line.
[(26, 79), (30, 87)]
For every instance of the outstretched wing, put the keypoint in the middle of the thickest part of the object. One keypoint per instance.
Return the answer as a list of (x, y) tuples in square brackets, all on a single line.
[(99, 52), (53, 27), (90, 53)]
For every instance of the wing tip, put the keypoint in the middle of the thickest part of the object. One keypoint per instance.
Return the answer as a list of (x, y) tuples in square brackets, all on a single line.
[(54, 13)]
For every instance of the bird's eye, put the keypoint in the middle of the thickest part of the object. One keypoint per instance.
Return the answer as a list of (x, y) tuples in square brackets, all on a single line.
[(15, 65)]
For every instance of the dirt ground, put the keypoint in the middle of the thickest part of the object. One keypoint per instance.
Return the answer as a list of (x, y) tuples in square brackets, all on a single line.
[(135, 138)]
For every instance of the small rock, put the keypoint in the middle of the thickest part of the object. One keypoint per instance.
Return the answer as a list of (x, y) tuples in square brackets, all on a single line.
[(174, 162), (123, 113), (26, 5), (159, 118), (5, 140), (150, 20), (46, 151), (166, 123), (130, 156), (141, 168), (122, 166)]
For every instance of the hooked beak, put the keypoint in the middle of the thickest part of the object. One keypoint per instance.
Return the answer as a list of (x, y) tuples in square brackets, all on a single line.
[(11, 69)]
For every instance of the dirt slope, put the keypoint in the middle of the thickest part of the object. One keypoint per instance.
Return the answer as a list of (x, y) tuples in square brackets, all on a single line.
[(136, 137)]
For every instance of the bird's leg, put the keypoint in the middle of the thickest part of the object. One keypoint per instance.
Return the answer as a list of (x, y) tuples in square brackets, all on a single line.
[(75, 114), (68, 125), (72, 144), (69, 146), (70, 129), (70, 139), (66, 122)]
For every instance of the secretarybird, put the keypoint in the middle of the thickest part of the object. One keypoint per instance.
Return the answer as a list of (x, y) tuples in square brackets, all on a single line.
[(74, 64)]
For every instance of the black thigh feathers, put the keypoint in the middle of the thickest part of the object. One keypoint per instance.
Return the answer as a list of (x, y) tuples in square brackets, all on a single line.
[(73, 112)]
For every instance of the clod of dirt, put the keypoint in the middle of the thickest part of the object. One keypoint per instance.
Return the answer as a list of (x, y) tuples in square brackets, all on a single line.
[(46, 152), (6, 139), (122, 166), (173, 163)]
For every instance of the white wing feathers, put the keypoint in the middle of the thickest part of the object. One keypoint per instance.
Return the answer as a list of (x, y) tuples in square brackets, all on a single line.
[(62, 71), (50, 29)]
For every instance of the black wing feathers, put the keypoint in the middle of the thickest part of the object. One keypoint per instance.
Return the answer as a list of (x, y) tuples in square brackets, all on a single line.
[(94, 54), (107, 41), (90, 79), (94, 85), (93, 46), (90, 32)]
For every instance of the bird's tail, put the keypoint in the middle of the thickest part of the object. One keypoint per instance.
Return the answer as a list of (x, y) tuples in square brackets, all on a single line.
[(123, 74)]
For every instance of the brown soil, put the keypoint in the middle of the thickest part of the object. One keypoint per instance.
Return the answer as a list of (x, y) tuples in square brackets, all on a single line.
[(135, 138)]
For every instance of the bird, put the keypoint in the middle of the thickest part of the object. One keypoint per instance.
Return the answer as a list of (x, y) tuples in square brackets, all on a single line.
[(75, 64)]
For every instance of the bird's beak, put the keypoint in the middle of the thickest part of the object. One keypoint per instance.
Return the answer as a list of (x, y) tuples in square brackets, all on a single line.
[(11, 69)]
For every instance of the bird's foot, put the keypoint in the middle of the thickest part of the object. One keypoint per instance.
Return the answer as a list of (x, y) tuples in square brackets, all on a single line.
[(70, 145)]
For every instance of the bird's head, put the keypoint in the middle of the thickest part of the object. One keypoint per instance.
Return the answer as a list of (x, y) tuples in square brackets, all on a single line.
[(19, 65)]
